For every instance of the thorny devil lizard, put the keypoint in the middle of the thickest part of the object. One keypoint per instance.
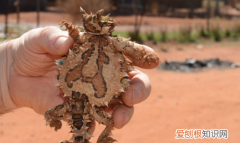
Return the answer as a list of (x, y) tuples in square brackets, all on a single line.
[(93, 75)]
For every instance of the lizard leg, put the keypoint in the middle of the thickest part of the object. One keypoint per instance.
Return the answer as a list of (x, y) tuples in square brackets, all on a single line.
[(139, 52), (103, 118), (72, 30), (135, 50), (104, 137), (54, 115)]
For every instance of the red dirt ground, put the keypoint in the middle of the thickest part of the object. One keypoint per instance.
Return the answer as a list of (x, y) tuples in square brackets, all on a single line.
[(204, 100)]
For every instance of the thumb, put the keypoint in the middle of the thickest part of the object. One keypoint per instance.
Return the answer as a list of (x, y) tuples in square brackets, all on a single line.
[(50, 40)]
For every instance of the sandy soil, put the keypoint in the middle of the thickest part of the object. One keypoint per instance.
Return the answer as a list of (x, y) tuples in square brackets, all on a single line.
[(204, 100)]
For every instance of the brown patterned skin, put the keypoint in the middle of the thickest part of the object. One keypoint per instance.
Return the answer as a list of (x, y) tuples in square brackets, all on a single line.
[(94, 75)]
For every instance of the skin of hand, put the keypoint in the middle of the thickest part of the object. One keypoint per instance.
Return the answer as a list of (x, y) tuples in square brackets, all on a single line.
[(33, 75)]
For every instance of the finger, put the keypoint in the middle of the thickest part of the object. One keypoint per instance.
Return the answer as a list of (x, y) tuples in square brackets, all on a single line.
[(122, 115), (139, 89), (48, 40), (110, 108), (48, 101), (145, 64)]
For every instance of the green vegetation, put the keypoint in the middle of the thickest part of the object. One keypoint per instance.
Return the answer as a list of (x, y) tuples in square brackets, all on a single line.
[(203, 32), (136, 37), (227, 33), (212, 3), (151, 37), (235, 32), (185, 34), (14, 31), (163, 36), (1, 39), (216, 33)]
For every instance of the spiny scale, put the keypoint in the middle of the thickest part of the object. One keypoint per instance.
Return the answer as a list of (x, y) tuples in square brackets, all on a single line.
[(93, 75)]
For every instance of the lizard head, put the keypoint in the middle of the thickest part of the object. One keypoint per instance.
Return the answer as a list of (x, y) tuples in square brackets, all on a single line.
[(97, 23)]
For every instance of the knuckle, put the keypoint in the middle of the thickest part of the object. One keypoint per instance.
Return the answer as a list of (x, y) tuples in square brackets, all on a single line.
[(48, 30)]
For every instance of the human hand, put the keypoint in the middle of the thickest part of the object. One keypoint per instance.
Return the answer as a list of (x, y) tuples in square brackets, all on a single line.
[(33, 75)]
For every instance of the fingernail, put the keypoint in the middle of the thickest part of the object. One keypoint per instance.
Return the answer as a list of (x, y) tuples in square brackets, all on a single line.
[(60, 42), (136, 96), (126, 117)]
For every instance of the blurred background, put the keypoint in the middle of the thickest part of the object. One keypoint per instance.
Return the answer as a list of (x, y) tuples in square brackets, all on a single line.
[(196, 86)]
